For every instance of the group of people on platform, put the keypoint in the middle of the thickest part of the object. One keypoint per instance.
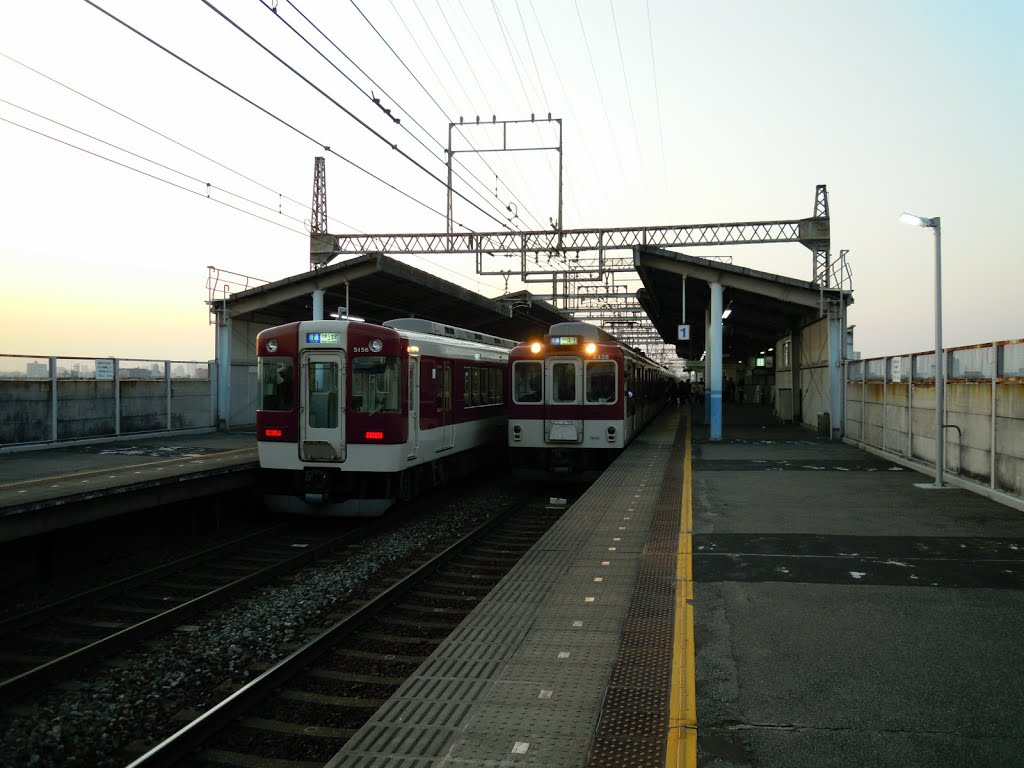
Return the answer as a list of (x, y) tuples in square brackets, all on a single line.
[(681, 392)]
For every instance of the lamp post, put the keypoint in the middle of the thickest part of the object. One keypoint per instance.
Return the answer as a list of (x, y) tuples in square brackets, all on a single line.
[(940, 437)]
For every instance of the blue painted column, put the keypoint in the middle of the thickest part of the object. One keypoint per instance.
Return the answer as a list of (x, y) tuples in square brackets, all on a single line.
[(715, 362)]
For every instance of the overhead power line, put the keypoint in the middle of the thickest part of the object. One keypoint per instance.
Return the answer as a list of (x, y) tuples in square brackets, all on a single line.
[(370, 96), (600, 92), (347, 111), (209, 185), (401, 61), (151, 176), (657, 100), (268, 113), (163, 136)]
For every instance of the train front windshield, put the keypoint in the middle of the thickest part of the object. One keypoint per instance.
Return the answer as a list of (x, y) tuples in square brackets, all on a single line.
[(376, 384), (601, 381), (276, 375), (527, 381)]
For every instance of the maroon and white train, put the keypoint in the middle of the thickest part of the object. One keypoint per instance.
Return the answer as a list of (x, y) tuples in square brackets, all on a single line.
[(579, 397), (354, 415)]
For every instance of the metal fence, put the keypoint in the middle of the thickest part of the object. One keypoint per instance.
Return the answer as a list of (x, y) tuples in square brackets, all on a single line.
[(889, 405), (51, 399)]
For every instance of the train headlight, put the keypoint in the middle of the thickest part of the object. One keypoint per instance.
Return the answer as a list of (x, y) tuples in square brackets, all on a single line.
[(591, 348), (536, 347)]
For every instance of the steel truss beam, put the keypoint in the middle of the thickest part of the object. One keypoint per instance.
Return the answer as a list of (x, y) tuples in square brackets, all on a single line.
[(573, 241), (572, 258)]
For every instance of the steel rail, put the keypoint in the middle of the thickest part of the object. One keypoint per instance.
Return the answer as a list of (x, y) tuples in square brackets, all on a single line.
[(44, 674), (177, 746)]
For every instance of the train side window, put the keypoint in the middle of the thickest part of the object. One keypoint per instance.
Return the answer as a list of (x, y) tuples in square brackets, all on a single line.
[(563, 380), (527, 378), (276, 375), (476, 387), (601, 381)]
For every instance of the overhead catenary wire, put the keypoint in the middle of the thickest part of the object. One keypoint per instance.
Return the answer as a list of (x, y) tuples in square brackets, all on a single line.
[(600, 91), (370, 96), (565, 91), (164, 136), (465, 58), (268, 113), (625, 77), (426, 60), (151, 176), (190, 177), (657, 101), (401, 61), (444, 56), (434, 72), (529, 45), (344, 109)]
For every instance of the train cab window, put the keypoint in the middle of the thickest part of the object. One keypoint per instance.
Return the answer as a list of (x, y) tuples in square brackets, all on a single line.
[(276, 375), (563, 382), (601, 381), (527, 379), (376, 384), (322, 394)]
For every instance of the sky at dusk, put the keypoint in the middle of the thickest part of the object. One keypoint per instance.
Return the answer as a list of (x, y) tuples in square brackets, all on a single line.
[(125, 172)]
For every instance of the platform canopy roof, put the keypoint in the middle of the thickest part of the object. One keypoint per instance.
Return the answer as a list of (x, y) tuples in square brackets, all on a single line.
[(379, 288), (764, 306)]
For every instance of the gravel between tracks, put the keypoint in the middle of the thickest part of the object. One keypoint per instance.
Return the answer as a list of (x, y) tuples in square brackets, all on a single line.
[(136, 701)]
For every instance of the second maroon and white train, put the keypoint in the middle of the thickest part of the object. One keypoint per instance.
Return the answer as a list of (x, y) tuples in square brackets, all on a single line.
[(578, 397)]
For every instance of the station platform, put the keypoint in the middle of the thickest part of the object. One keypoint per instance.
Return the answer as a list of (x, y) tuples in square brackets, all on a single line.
[(52, 488), (824, 611)]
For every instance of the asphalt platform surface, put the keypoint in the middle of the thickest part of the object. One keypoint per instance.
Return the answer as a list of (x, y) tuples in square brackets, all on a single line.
[(844, 616)]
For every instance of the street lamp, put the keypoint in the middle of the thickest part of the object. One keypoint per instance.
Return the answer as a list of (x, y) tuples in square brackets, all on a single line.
[(940, 437)]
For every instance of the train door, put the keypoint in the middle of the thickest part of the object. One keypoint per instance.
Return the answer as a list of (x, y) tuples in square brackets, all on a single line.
[(563, 404), (322, 418), (414, 406), (447, 412)]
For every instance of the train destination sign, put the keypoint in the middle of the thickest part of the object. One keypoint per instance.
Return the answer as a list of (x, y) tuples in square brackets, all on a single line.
[(323, 338), (564, 341)]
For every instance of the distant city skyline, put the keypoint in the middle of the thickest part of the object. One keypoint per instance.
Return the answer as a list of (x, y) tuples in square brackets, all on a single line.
[(673, 114)]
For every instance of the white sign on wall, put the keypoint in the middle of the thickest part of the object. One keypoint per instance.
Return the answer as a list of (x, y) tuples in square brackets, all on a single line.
[(104, 370), (897, 369)]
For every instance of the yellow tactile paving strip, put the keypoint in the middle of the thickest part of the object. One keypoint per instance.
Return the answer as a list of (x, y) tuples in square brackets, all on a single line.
[(681, 750)]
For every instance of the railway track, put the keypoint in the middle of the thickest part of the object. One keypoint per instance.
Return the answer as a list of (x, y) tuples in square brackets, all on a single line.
[(51, 642), (301, 711)]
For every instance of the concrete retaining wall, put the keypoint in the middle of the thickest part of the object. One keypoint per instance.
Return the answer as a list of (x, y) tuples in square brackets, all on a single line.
[(87, 408), (984, 418)]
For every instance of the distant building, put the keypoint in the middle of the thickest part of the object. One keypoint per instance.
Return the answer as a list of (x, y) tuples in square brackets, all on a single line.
[(37, 370)]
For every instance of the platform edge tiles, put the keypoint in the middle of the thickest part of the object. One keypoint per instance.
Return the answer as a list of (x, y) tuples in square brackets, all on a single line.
[(576, 663)]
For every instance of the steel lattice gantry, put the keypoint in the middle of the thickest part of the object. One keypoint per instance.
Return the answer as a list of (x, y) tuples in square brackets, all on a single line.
[(572, 259)]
